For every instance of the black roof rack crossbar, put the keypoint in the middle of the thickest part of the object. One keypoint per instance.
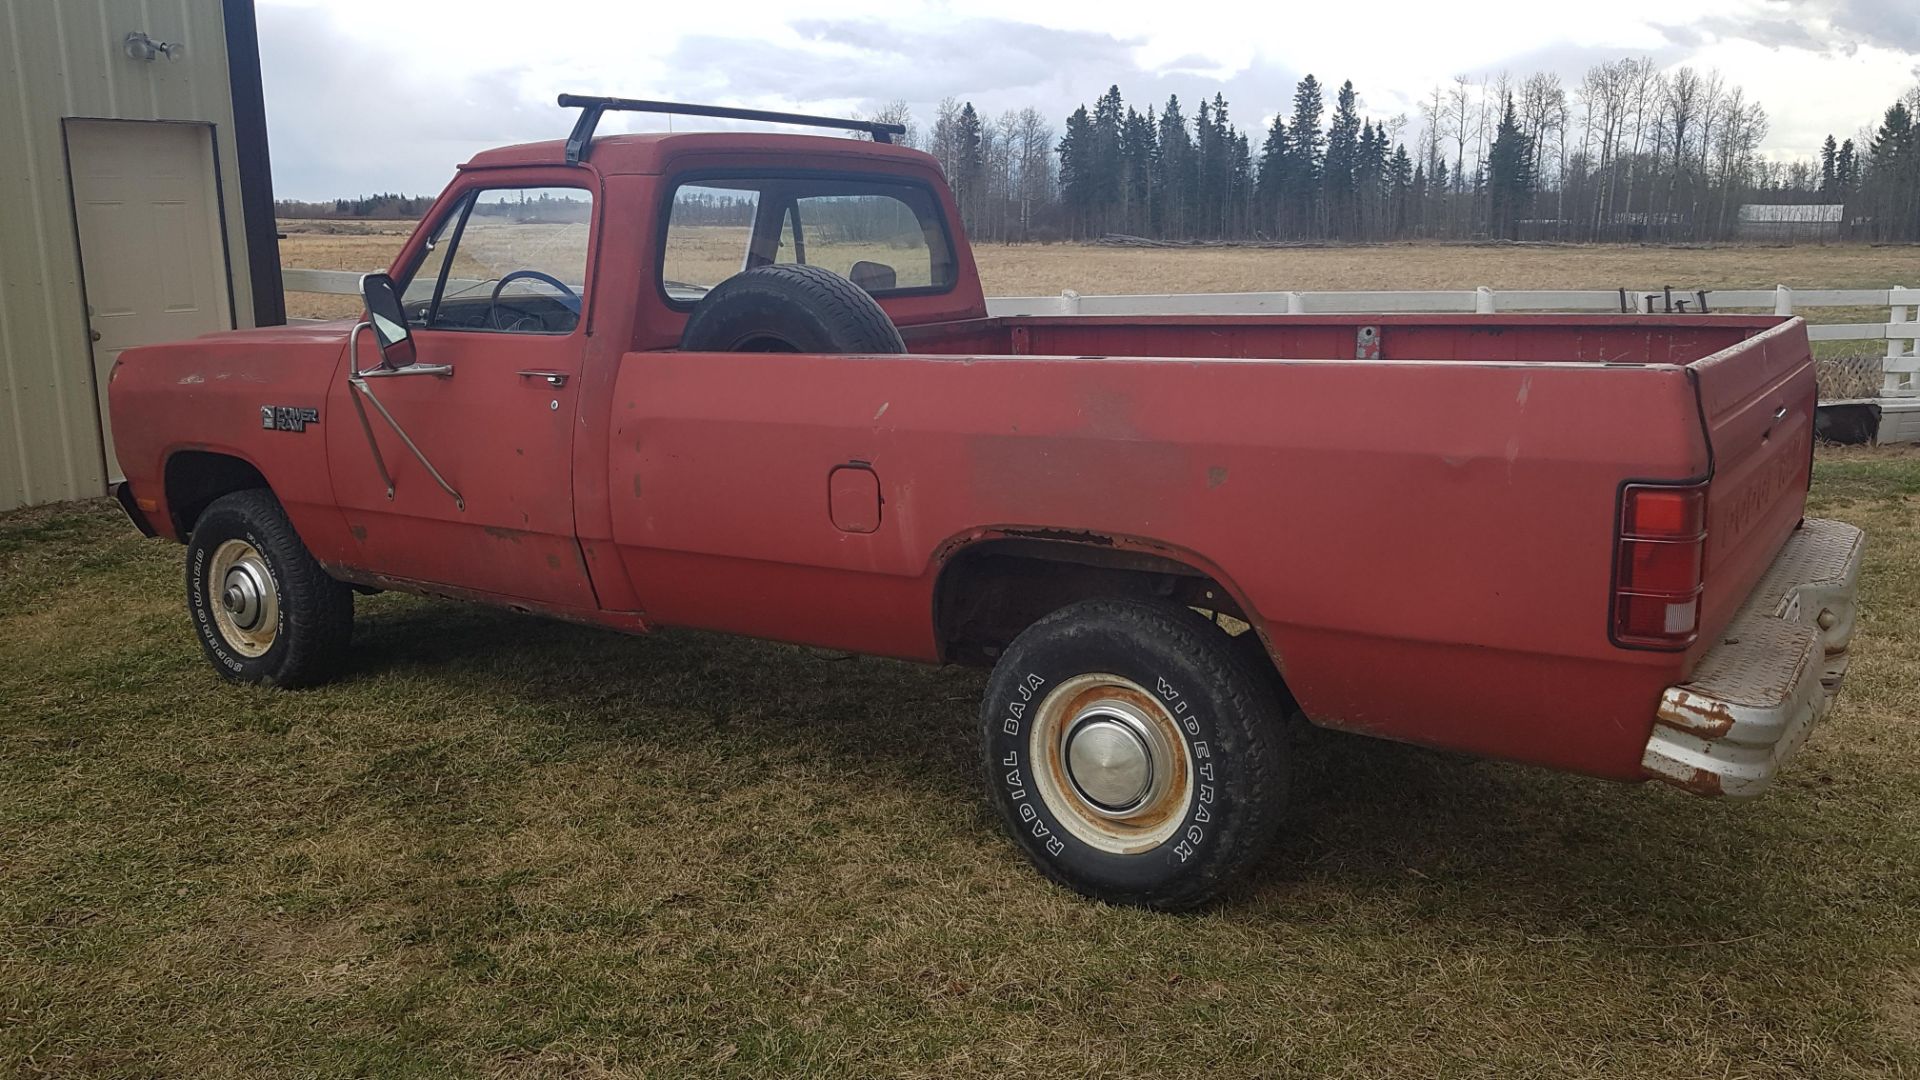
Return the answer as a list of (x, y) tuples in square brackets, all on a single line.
[(592, 108)]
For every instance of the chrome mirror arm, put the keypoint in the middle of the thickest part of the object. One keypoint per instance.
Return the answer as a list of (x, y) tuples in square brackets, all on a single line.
[(444, 371), (357, 381)]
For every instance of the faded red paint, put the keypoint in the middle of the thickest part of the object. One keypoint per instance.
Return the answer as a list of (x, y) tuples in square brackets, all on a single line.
[(1423, 539)]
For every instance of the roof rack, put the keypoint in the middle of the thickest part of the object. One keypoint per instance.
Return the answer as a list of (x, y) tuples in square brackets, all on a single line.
[(591, 109)]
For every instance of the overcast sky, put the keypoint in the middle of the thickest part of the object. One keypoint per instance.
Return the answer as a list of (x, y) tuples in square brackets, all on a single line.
[(389, 95)]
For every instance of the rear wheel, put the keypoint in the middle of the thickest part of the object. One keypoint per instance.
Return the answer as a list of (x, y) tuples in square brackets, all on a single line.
[(1133, 752), (264, 610)]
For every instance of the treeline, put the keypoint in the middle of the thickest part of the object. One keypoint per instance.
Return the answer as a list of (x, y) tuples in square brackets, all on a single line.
[(1630, 153), (1881, 188), (386, 206)]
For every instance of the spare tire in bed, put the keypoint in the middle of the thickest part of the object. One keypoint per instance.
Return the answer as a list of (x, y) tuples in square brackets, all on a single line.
[(789, 308)]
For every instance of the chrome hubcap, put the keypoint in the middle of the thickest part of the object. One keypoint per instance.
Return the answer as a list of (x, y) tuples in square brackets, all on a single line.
[(1111, 762), (1108, 761), (245, 594), (246, 604)]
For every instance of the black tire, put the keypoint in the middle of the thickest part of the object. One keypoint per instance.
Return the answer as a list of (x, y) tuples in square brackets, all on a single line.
[(310, 614), (789, 308), (1228, 718)]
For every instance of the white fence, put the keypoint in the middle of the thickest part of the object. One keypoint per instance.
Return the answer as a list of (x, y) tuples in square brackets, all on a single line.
[(1899, 332), (1900, 371)]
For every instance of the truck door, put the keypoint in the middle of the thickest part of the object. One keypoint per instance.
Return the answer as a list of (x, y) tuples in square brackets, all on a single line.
[(457, 469)]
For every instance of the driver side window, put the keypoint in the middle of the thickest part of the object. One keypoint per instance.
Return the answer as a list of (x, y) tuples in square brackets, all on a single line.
[(505, 261)]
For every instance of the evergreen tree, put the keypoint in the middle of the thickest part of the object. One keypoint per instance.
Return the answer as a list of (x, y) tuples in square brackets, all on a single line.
[(1136, 163), (1370, 179), (1239, 184), (1417, 201), (1077, 169), (1213, 168), (1846, 170), (1892, 182), (1338, 179), (1305, 144), (970, 167), (1209, 167), (1402, 176), (1175, 180), (1829, 152), (1272, 185), (1509, 175), (1109, 115)]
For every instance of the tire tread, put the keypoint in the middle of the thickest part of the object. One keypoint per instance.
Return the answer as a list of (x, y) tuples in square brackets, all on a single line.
[(319, 608), (851, 318), (1258, 722)]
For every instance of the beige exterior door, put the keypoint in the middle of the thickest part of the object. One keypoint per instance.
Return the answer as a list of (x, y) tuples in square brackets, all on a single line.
[(147, 205)]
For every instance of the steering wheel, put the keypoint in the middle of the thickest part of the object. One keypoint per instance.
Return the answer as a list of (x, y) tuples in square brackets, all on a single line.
[(568, 298)]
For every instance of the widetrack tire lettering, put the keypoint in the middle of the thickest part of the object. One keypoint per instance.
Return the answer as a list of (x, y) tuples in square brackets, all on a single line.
[(1210, 705)]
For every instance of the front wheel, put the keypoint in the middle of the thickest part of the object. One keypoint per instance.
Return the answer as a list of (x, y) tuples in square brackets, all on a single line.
[(264, 609), (1133, 753)]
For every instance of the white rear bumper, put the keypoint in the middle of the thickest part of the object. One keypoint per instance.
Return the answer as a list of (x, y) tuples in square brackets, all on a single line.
[(1751, 700)]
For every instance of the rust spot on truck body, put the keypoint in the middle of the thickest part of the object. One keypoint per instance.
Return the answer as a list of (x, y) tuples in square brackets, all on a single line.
[(1698, 782), (1705, 717)]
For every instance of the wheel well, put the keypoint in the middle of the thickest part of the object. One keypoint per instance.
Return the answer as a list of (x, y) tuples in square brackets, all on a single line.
[(195, 478), (994, 589)]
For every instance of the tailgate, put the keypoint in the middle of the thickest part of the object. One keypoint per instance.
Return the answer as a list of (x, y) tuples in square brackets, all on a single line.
[(1757, 401)]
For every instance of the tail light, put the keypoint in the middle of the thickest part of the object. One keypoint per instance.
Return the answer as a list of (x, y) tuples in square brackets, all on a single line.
[(1659, 560)]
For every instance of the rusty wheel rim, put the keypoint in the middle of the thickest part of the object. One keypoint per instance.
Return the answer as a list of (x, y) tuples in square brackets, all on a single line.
[(1111, 763), (244, 598)]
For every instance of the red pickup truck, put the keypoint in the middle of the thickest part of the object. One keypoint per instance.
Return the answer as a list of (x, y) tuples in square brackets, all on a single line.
[(748, 383)]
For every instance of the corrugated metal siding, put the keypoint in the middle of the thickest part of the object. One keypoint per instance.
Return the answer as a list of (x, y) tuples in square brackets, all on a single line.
[(64, 58)]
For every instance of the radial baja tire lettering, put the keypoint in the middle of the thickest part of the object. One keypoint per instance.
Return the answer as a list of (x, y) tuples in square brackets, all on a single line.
[(294, 621), (1134, 752), (790, 308)]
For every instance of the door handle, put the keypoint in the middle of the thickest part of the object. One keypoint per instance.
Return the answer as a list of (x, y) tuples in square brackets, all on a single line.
[(555, 379)]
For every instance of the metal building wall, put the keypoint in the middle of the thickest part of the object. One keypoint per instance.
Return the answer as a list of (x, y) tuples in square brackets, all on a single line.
[(65, 58)]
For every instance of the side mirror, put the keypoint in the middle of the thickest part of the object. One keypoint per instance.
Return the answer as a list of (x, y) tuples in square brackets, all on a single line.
[(389, 320)]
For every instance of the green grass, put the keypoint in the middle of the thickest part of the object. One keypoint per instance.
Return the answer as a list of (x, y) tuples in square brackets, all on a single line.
[(507, 847)]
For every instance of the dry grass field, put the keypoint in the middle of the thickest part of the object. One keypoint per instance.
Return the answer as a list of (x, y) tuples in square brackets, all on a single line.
[(1848, 368), (504, 847), (1045, 269)]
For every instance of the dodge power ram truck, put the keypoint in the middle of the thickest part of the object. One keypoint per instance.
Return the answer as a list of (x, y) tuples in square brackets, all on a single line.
[(747, 382)]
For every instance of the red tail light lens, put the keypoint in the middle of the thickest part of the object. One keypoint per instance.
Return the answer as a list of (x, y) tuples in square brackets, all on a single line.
[(1659, 561), (1664, 512)]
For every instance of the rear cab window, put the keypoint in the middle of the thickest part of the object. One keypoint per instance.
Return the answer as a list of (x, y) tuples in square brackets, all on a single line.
[(888, 237)]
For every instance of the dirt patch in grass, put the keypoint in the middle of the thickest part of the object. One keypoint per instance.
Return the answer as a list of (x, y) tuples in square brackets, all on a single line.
[(507, 847)]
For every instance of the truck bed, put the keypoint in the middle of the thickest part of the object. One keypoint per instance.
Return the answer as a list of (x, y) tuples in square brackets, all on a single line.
[(1753, 400), (1587, 339), (1426, 539)]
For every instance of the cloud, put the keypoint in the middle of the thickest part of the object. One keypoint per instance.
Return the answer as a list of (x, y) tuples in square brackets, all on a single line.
[(1770, 32), (1826, 26), (355, 106), (1892, 24), (345, 120)]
